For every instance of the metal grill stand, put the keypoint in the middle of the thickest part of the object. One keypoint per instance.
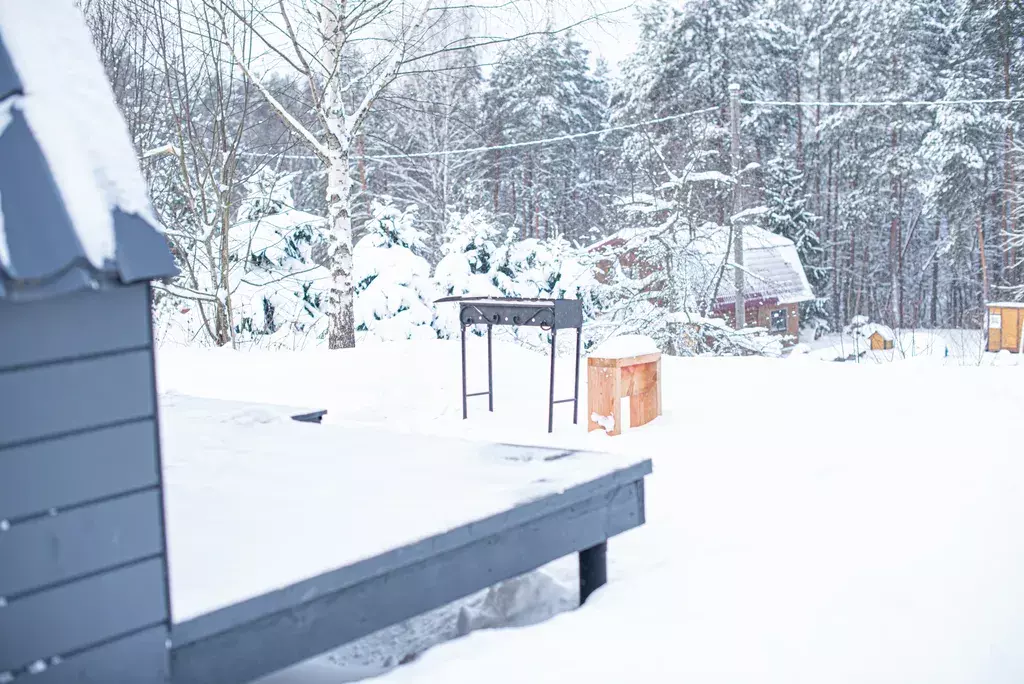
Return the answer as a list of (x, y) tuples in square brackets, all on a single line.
[(546, 314)]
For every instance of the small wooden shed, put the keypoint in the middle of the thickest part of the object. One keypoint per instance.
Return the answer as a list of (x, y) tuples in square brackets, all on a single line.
[(1005, 320), (879, 337), (83, 573)]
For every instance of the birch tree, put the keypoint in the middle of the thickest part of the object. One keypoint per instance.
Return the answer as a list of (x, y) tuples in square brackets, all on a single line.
[(348, 54)]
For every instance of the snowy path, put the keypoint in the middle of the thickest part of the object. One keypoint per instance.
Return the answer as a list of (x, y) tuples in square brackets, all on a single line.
[(859, 523)]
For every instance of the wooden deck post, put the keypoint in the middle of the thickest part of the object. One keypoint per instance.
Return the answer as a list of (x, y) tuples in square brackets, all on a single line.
[(593, 570)]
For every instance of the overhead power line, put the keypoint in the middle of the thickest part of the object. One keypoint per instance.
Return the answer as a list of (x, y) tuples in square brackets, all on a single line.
[(883, 103), (651, 122), (508, 146), (545, 141)]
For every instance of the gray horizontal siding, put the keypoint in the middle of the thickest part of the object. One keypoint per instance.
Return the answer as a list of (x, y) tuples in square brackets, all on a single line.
[(76, 616), (92, 465), (329, 611), (77, 395), (137, 659), (82, 541), (75, 325)]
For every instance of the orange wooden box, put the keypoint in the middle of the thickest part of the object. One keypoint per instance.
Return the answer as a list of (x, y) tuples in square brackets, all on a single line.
[(611, 380)]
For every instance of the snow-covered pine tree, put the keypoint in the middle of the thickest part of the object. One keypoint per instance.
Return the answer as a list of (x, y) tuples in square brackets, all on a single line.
[(277, 287), (394, 293), (542, 89), (788, 215), (471, 252), (954, 157)]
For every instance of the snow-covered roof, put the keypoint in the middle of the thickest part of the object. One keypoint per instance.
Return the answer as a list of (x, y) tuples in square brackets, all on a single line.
[(1005, 305), (870, 329), (771, 265), (74, 208)]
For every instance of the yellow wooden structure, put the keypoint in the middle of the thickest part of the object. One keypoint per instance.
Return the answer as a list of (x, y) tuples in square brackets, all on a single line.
[(609, 380), (880, 342), (1004, 326)]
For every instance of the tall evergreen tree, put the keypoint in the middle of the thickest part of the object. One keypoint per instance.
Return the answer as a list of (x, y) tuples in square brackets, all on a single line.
[(541, 90), (789, 215)]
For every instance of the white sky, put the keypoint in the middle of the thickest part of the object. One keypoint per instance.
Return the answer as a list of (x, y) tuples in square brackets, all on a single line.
[(612, 35)]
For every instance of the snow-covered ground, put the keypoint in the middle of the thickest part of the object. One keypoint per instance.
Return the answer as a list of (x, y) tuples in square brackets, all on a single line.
[(955, 347), (807, 521)]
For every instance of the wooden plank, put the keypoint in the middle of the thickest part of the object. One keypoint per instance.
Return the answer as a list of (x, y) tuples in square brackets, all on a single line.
[(626, 361), (659, 382), (141, 658), (76, 395), (331, 610), (75, 616), (1011, 329), (92, 465), (994, 334), (600, 388), (643, 407), (60, 548), (75, 325), (638, 379), (616, 402)]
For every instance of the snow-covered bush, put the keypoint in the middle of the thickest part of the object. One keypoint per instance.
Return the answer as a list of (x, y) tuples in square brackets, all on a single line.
[(394, 293), (480, 261), (277, 288), (549, 268), (467, 266), (693, 335)]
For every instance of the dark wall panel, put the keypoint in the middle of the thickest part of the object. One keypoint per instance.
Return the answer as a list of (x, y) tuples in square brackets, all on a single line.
[(53, 399), (91, 465), (82, 614), (138, 659), (67, 327), (63, 547)]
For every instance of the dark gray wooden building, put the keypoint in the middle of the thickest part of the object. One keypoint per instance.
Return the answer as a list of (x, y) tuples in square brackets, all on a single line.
[(83, 577)]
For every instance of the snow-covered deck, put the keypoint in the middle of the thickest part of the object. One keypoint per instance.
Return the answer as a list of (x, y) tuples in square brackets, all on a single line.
[(274, 524)]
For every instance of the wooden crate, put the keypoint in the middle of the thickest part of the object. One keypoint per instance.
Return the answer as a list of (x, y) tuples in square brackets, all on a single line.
[(609, 380)]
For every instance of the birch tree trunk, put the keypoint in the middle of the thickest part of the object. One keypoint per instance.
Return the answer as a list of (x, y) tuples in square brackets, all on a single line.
[(341, 295)]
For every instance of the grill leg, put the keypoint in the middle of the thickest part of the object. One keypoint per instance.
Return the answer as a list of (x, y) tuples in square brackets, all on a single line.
[(551, 393), (576, 386), (490, 377), (465, 409), (593, 569)]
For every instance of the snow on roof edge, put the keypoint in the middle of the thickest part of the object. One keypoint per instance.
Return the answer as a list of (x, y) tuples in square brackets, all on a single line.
[(70, 108), (82, 214)]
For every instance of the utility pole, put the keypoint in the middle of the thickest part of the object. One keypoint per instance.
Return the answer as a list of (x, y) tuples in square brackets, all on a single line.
[(737, 226)]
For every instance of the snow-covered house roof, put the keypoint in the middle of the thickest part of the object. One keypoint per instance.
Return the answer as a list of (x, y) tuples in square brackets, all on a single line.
[(772, 267), (74, 208), (773, 272)]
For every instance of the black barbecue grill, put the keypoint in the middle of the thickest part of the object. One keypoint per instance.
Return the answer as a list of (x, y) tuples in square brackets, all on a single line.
[(546, 314)]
